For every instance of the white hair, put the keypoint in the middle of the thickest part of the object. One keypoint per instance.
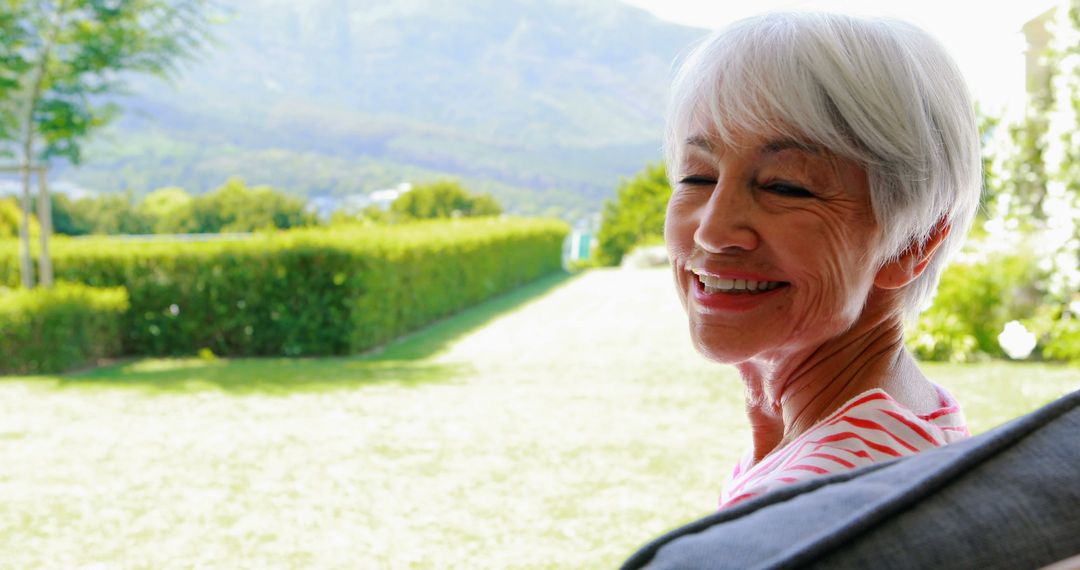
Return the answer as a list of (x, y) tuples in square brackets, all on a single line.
[(882, 93)]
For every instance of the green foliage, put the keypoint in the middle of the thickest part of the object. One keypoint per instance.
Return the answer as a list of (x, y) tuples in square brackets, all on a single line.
[(65, 219), (104, 214), (1033, 192), (234, 207), (52, 330), (974, 301), (443, 199), (10, 216), (13, 66), (1058, 330), (170, 211), (108, 214), (65, 60), (635, 217), (1062, 340), (308, 291), (371, 214)]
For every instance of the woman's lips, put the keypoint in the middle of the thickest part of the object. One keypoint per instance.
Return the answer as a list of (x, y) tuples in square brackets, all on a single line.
[(731, 293)]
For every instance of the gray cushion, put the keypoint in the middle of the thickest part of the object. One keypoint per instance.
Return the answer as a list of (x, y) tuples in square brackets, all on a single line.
[(1008, 498)]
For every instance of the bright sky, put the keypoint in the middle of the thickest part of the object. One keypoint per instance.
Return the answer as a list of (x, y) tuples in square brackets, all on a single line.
[(984, 37)]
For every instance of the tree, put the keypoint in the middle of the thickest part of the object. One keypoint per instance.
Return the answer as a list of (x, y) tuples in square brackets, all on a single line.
[(1033, 194), (112, 214), (635, 217), (443, 199), (12, 65), (65, 217), (9, 219), (168, 211), (104, 214), (234, 207), (62, 60)]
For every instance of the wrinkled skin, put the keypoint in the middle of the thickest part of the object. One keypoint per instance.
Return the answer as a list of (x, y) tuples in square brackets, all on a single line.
[(795, 214), (738, 212)]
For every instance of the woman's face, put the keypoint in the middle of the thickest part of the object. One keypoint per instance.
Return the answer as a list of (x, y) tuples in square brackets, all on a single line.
[(791, 221)]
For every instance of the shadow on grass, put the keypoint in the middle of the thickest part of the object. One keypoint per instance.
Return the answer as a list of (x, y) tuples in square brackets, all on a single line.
[(403, 362)]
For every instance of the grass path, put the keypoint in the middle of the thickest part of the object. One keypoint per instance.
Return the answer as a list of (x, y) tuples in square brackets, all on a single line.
[(558, 427)]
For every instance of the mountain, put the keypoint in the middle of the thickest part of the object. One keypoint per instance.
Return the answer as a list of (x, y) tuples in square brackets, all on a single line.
[(544, 103)]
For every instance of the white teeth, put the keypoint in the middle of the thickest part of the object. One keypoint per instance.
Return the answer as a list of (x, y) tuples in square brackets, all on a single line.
[(716, 284)]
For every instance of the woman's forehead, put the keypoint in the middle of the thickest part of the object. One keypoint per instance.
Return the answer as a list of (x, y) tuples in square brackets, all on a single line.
[(767, 143), (763, 146)]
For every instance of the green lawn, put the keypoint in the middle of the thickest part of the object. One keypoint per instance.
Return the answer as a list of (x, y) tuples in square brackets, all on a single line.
[(558, 427)]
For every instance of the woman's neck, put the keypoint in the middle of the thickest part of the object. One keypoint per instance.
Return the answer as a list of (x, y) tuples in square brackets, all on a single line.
[(787, 396)]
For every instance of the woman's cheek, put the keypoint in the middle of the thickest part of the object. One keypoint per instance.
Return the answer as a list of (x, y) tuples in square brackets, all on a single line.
[(679, 226)]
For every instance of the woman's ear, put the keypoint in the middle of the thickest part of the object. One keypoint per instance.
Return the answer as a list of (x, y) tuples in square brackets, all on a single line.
[(912, 262)]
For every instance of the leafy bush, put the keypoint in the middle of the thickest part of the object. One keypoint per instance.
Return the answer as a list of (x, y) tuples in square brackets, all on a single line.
[(443, 199), (974, 301), (1063, 340), (635, 217), (307, 291), (10, 218), (233, 207), (1058, 328), (169, 211), (52, 330)]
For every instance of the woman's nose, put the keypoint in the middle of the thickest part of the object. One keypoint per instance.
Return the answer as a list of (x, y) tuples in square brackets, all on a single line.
[(725, 224)]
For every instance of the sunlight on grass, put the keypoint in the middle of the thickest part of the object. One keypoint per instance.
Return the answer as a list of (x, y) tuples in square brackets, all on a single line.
[(559, 427), (157, 365)]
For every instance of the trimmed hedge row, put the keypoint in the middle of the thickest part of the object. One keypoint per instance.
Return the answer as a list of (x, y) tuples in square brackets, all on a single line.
[(52, 330), (305, 292)]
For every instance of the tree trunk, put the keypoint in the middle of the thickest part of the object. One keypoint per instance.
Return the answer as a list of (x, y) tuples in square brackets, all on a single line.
[(45, 269), (36, 85), (26, 265)]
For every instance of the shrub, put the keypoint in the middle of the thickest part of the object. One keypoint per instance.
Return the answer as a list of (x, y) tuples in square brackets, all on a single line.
[(10, 218), (1058, 328), (1063, 341), (52, 330), (443, 199), (635, 217), (307, 291), (974, 301)]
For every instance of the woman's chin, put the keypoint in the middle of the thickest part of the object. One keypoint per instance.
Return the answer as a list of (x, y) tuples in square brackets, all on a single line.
[(725, 349)]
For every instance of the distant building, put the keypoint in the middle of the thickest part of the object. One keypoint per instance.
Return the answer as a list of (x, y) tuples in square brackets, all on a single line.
[(325, 206), (581, 242), (383, 198)]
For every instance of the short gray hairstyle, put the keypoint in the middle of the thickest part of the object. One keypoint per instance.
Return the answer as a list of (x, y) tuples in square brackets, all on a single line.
[(880, 92)]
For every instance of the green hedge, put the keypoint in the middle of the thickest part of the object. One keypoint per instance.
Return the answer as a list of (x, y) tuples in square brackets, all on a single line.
[(52, 330), (305, 292), (974, 300)]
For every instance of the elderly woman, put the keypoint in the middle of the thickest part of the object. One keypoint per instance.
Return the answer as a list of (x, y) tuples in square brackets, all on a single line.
[(823, 168)]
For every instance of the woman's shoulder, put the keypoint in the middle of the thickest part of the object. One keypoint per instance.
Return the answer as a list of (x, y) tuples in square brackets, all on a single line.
[(869, 428), (877, 413)]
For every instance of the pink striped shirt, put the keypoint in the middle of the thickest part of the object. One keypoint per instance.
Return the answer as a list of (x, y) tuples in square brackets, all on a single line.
[(870, 428)]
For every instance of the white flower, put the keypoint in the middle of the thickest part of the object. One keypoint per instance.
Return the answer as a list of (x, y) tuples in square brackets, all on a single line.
[(1016, 340)]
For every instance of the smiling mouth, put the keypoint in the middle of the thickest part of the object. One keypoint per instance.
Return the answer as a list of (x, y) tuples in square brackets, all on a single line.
[(714, 285)]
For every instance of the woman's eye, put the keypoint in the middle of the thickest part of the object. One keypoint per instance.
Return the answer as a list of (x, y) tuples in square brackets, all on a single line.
[(784, 189), (698, 181)]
